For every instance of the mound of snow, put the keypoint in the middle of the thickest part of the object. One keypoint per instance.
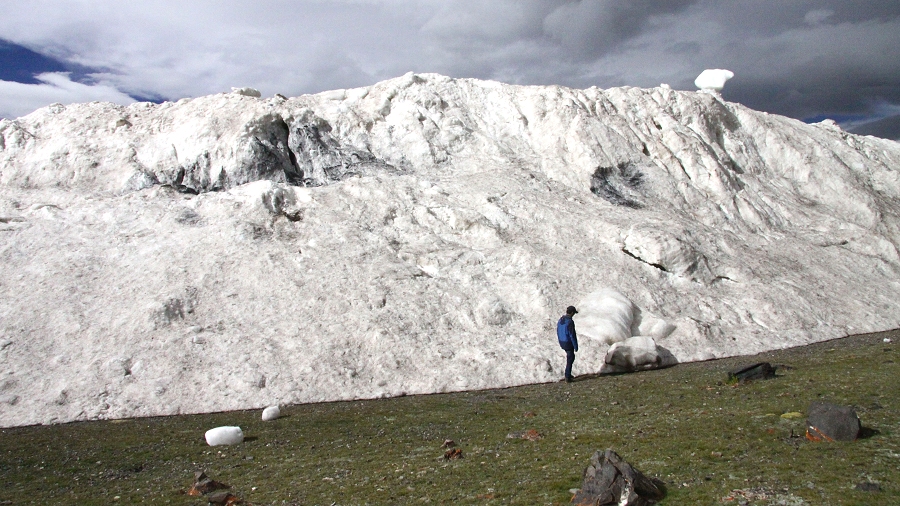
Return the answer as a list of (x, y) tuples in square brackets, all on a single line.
[(606, 316), (418, 236)]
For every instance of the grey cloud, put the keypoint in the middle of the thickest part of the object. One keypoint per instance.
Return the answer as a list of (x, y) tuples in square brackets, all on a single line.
[(589, 28), (800, 58)]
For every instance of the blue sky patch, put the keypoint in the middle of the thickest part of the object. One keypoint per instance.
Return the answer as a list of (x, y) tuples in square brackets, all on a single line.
[(20, 64)]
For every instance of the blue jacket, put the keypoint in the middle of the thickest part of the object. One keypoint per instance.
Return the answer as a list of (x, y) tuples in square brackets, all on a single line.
[(565, 331)]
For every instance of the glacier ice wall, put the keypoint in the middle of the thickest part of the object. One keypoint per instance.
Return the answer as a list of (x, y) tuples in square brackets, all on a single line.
[(419, 235)]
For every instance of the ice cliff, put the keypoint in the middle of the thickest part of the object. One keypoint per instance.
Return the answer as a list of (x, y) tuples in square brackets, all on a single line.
[(420, 235)]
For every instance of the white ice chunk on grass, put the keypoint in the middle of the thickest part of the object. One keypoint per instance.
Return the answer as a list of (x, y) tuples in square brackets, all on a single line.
[(633, 353), (271, 413), (713, 79), (605, 315), (224, 436), (636, 353)]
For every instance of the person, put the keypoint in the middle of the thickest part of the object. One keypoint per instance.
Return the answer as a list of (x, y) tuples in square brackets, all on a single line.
[(568, 340)]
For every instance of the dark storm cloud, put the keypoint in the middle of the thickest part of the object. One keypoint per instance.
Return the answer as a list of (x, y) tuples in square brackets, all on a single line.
[(589, 28), (813, 59)]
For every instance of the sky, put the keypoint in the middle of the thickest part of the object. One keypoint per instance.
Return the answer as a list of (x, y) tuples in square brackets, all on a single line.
[(809, 60)]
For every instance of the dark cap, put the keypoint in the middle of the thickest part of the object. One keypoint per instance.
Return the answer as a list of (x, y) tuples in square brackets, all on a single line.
[(571, 310)]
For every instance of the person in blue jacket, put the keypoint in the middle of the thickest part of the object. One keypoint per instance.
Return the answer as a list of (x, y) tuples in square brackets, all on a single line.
[(568, 340)]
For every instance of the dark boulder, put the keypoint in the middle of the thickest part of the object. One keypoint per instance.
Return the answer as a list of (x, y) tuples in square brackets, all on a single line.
[(762, 370), (610, 480), (830, 422)]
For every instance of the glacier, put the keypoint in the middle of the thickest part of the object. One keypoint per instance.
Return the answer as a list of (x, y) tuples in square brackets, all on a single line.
[(419, 235)]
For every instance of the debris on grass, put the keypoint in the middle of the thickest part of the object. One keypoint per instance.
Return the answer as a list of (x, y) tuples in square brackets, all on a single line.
[(203, 485), (868, 486), (530, 435), (453, 454)]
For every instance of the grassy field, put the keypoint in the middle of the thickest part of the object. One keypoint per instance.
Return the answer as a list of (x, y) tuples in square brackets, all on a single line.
[(709, 442)]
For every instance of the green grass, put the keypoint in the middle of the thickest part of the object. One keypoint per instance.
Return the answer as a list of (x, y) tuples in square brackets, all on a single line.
[(685, 425)]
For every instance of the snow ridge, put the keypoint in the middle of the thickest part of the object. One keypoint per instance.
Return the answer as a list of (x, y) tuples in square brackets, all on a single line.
[(420, 235)]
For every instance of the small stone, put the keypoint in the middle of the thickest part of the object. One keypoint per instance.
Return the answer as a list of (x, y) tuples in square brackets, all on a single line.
[(868, 486), (204, 484), (453, 454), (533, 435), (223, 498)]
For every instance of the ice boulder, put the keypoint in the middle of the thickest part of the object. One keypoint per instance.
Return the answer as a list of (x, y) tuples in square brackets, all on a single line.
[(713, 79), (271, 413), (224, 436), (649, 325), (605, 315), (247, 92), (636, 353)]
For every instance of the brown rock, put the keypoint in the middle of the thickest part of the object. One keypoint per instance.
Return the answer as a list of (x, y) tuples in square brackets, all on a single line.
[(455, 453), (204, 484)]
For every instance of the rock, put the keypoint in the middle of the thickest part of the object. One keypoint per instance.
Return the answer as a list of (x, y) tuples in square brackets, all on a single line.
[(203, 485), (610, 480), (224, 436), (830, 422), (453, 454), (271, 413), (868, 486), (762, 370), (223, 499)]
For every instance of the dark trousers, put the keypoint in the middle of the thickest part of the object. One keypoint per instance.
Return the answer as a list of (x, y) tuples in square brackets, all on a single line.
[(570, 358)]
